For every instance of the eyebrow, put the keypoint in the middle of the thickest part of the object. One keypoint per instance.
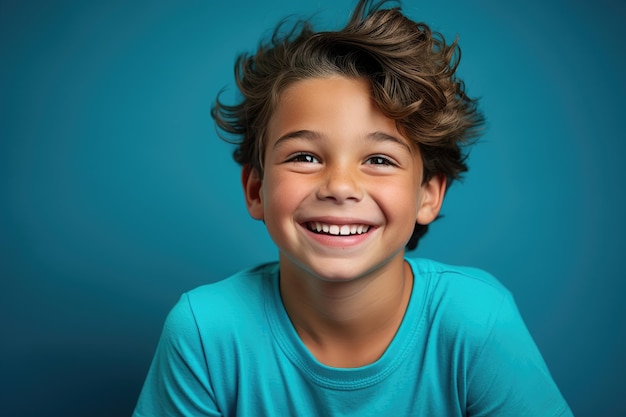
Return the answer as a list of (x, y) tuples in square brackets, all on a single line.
[(377, 136), (298, 134), (385, 137)]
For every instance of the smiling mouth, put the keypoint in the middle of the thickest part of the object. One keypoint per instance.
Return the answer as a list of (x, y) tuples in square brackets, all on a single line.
[(337, 229)]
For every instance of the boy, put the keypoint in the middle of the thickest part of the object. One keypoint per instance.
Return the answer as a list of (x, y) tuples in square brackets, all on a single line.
[(349, 140)]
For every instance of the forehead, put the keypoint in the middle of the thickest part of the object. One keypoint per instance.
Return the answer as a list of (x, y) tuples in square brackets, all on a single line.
[(338, 104), (321, 88)]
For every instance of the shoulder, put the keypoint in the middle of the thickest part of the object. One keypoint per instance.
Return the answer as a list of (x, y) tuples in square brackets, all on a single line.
[(222, 303), (475, 325), (462, 276), (460, 301), (242, 286), (474, 286)]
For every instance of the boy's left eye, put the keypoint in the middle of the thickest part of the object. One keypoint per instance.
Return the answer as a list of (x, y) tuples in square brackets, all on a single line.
[(379, 160)]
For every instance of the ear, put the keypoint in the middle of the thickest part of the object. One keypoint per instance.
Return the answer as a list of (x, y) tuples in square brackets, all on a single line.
[(431, 199), (252, 188)]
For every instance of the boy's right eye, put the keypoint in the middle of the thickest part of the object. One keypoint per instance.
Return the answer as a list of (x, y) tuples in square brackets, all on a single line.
[(303, 157)]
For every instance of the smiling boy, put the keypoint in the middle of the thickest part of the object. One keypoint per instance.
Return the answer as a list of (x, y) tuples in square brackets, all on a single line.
[(348, 142), (340, 194)]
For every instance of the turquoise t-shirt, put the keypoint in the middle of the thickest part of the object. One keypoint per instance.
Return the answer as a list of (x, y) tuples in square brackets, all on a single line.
[(229, 349)]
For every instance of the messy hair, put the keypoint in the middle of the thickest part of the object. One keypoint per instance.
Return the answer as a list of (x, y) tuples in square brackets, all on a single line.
[(411, 70)]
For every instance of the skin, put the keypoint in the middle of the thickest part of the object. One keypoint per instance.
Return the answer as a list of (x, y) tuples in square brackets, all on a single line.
[(333, 160)]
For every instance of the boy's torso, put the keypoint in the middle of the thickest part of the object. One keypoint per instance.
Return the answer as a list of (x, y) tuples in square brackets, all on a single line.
[(263, 365), (229, 349)]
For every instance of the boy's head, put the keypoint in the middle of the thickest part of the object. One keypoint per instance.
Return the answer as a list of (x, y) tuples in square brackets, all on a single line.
[(411, 71)]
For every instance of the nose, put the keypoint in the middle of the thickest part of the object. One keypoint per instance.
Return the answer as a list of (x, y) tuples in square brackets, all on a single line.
[(340, 184)]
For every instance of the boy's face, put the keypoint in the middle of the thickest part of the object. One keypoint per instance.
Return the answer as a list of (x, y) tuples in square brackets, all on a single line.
[(342, 187)]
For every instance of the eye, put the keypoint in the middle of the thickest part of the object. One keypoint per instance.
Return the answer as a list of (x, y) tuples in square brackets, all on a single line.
[(380, 160), (303, 157)]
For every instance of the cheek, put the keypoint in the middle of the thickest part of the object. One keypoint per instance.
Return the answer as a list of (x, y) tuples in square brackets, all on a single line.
[(281, 194), (400, 197)]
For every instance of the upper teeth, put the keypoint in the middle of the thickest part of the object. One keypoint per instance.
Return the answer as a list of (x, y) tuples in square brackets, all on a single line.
[(335, 229)]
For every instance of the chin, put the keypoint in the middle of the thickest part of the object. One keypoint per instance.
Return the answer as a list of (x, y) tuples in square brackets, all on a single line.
[(343, 270)]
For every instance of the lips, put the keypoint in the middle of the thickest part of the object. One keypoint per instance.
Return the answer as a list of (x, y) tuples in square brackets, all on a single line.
[(337, 229)]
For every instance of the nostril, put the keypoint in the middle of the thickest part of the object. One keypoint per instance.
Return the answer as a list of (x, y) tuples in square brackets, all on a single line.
[(340, 188)]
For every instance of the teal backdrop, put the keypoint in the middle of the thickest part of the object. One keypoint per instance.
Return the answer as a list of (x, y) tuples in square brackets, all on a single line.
[(117, 196)]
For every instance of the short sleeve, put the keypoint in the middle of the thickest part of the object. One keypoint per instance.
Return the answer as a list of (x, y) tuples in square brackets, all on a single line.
[(178, 380), (508, 376)]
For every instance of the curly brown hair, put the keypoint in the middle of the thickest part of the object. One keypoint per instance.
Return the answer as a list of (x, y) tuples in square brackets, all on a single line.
[(411, 70)]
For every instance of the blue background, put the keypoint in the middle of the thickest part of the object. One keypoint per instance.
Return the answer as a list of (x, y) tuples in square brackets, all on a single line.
[(116, 194)]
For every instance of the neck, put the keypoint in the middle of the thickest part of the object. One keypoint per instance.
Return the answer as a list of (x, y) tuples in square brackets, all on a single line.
[(350, 323)]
